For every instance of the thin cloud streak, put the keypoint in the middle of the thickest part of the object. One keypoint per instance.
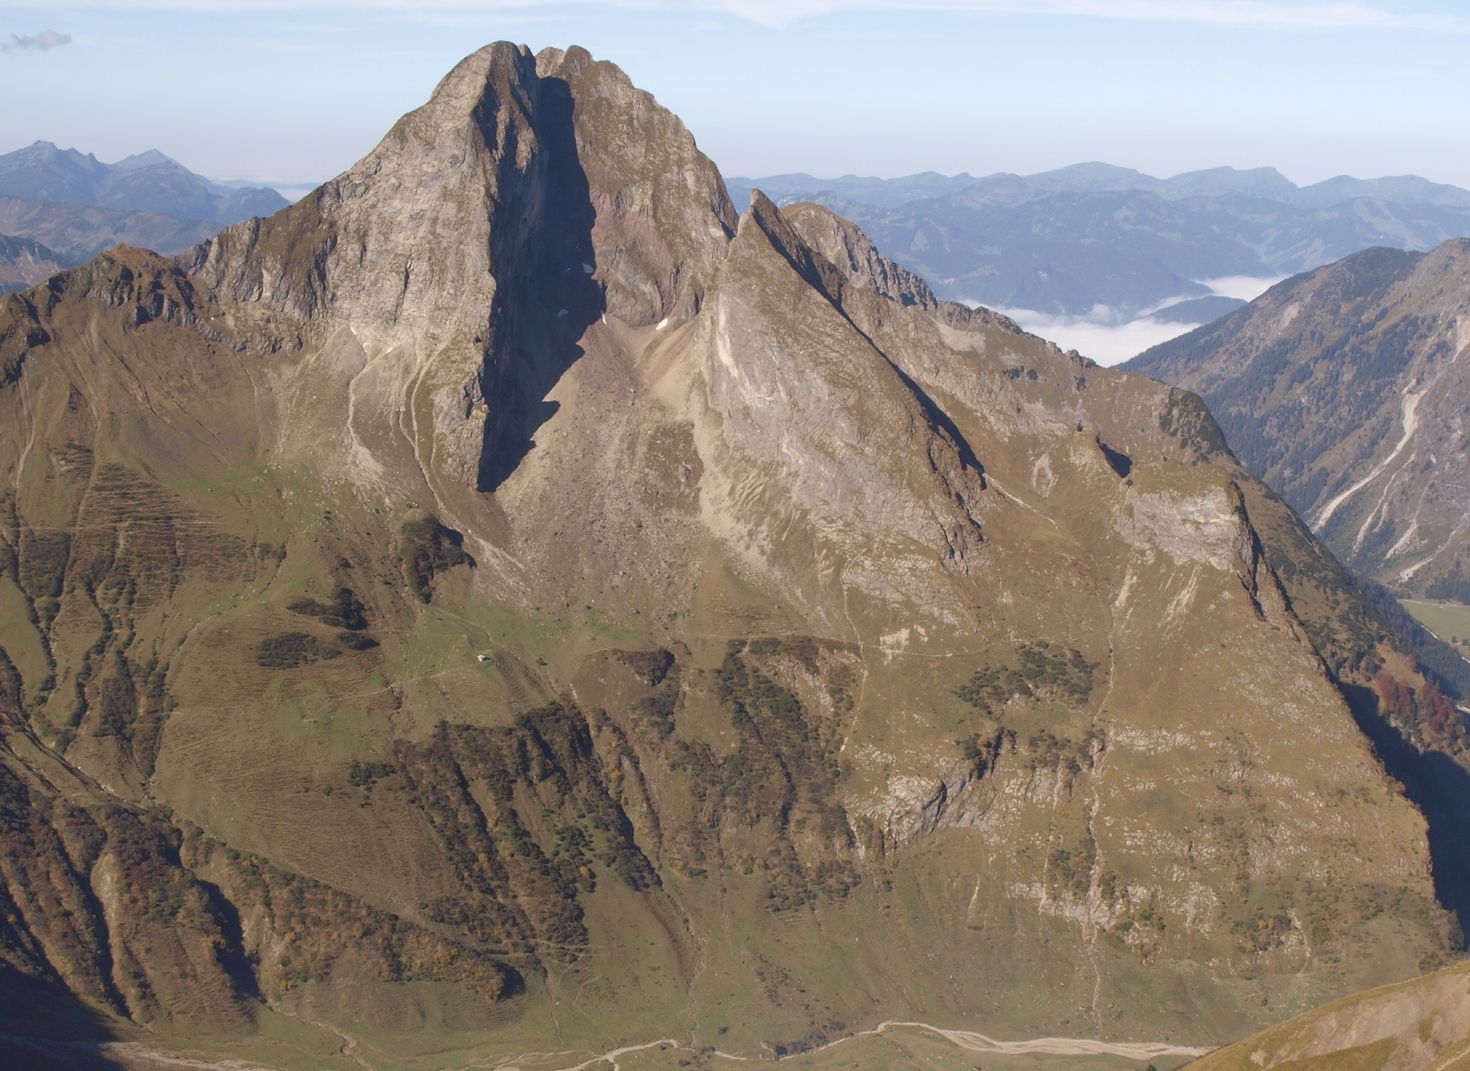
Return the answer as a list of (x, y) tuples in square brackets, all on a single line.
[(1278, 14), (44, 41)]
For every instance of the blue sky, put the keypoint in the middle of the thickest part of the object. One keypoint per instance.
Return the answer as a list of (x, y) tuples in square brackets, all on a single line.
[(293, 93)]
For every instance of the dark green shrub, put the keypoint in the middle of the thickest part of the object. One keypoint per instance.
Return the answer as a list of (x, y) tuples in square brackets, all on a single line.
[(292, 649)]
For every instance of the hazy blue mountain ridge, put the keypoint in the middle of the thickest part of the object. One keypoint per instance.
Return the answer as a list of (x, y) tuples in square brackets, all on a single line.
[(144, 182), (1098, 240)]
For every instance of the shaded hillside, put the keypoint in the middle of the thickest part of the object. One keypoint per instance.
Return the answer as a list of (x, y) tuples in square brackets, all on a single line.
[(1343, 388), (23, 262), (76, 232)]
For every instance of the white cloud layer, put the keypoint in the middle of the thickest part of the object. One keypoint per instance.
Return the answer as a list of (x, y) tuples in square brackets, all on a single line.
[(1102, 337), (1105, 343), (1245, 287)]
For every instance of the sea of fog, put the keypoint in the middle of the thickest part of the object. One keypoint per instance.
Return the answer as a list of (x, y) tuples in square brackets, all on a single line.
[(1110, 339)]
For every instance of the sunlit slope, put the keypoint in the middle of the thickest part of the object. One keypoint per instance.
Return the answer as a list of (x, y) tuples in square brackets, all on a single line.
[(1423, 1024)]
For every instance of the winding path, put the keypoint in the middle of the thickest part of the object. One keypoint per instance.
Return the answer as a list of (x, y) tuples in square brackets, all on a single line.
[(969, 1040), (976, 1042)]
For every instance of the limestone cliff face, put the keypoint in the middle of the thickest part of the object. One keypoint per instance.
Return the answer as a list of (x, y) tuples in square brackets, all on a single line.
[(663, 219), (649, 594), (481, 237), (796, 395), (844, 244)]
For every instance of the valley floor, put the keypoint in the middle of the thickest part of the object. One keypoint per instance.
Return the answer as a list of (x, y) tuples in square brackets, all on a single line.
[(1450, 621), (890, 1044)]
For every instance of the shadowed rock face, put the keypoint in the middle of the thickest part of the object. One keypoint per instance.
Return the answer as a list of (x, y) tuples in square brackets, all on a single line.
[(505, 582), (1342, 388)]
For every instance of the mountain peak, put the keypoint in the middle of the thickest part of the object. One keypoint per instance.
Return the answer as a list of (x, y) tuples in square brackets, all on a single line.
[(546, 182), (147, 158), (1226, 181)]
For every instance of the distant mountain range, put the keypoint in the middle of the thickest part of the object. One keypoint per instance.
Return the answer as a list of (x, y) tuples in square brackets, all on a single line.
[(1112, 243), (77, 206), (145, 182), (1345, 390)]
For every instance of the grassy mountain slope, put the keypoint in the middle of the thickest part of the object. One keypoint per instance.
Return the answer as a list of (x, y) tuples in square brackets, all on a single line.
[(1423, 1024)]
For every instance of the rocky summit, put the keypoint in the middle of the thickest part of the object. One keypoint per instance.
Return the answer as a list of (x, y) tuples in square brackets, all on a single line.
[(507, 608)]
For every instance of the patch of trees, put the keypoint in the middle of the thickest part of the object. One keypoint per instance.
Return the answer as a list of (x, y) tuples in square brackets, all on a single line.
[(1436, 659), (366, 774), (313, 924), (356, 641), (657, 711), (1188, 419), (1071, 871), (520, 889), (779, 772), (43, 560), (1044, 671), (345, 611), (289, 650), (802, 648), (1260, 931), (1047, 751), (1451, 588), (427, 549), (10, 688), (1424, 712), (780, 763), (650, 667)]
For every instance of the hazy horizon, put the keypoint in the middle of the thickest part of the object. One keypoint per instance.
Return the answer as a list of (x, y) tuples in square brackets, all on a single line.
[(259, 91), (295, 187)]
